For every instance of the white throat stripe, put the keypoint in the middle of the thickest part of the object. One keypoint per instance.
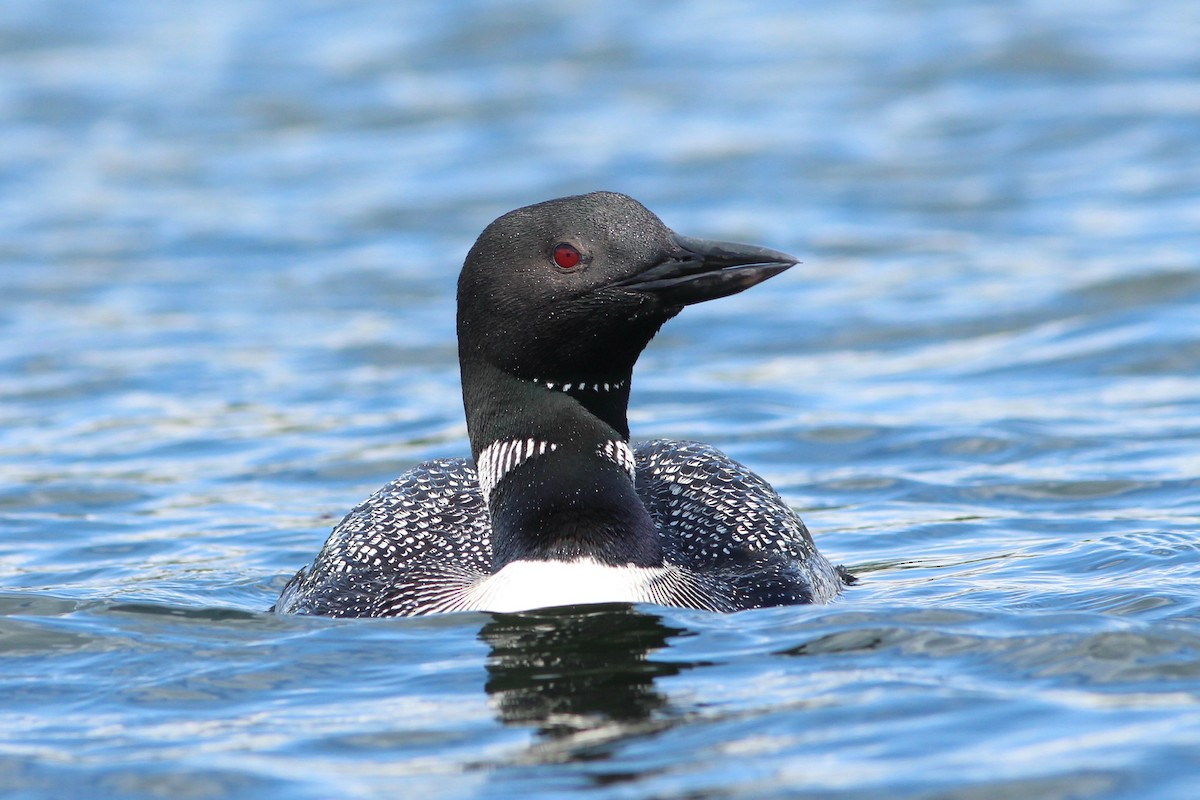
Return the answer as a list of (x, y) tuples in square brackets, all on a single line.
[(580, 387)]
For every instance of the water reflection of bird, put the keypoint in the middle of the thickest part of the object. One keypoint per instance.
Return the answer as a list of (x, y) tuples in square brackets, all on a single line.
[(581, 675)]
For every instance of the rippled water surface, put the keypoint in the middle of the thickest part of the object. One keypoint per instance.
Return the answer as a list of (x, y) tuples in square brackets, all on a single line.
[(229, 234)]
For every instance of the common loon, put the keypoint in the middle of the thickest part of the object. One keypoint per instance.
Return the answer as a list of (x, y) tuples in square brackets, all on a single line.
[(555, 303)]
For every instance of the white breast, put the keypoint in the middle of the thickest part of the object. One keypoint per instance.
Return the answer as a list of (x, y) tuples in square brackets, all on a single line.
[(526, 585)]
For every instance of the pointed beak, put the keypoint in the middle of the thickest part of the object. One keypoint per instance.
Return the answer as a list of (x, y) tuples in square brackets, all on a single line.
[(700, 270)]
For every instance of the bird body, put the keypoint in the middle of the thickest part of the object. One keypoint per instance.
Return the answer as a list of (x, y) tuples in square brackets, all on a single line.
[(556, 302)]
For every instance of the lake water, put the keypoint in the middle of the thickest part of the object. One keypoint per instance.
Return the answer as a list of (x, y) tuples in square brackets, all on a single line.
[(229, 235)]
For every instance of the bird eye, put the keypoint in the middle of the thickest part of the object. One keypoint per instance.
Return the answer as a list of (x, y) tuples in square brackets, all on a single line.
[(566, 257)]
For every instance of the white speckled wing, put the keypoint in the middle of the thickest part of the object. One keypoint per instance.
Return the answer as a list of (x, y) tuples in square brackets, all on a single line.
[(422, 544)]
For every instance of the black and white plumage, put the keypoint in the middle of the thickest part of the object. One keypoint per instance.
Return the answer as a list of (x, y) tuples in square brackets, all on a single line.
[(733, 542), (556, 301)]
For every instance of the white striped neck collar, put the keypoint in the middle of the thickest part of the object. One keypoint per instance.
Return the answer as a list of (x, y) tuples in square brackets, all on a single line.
[(501, 457)]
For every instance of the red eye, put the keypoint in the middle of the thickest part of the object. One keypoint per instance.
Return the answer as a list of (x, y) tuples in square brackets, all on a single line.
[(566, 256)]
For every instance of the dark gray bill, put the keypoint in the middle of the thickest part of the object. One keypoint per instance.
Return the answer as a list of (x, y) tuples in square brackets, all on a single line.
[(705, 270)]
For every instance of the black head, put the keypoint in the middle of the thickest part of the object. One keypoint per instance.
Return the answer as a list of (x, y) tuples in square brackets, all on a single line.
[(555, 303), (571, 290)]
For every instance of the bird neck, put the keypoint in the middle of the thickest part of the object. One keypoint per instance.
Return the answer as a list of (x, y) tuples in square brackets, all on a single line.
[(556, 469)]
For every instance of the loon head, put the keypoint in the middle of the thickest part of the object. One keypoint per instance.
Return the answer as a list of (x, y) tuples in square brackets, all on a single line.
[(555, 303), (567, 293)]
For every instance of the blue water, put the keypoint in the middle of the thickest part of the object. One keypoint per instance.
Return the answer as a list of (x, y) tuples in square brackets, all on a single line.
[(229, 235)]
